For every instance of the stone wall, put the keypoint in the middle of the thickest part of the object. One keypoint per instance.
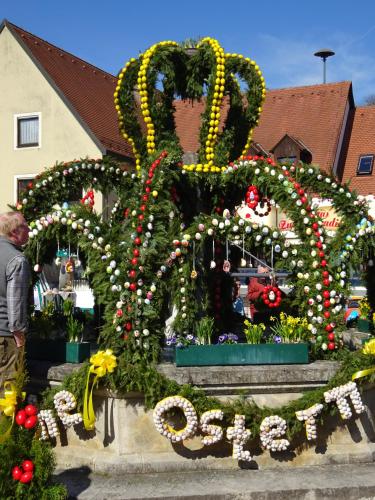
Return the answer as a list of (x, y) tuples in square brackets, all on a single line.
[(125, 438)]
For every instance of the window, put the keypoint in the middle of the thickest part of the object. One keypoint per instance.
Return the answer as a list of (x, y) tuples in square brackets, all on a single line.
[(21, 184), (365, 165), (27, 130), (286, 159)]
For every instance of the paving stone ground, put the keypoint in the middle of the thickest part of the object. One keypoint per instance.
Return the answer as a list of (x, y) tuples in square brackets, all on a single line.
[(344, 482)]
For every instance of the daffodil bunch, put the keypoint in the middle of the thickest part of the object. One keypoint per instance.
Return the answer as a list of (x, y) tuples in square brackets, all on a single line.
[(291, 330), (254, 333), (364, 308)]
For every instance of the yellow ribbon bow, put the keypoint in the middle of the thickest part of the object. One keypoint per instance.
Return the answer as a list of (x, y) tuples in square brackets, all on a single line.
[(368, 349), (8, 406), (102, 362)]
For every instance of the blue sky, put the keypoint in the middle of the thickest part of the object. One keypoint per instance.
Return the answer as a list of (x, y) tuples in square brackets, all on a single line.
[(280, 35)]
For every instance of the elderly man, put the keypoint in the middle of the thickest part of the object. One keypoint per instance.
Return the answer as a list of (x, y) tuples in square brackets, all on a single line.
[(14, 293)]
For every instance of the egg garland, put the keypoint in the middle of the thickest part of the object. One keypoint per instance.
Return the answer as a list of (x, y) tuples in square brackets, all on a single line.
[(167, 430), (321, 315), (65, 402), (271, 296), (215, 432), (340, 395), (48, 425), (309, 417), (239, 435), (271, 428)]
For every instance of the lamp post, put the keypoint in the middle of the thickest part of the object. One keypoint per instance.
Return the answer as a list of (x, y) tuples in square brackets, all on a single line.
[(323, 54)]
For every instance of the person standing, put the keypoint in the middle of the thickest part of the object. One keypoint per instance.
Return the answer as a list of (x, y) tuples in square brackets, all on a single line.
[(14, 294), (255, 290)]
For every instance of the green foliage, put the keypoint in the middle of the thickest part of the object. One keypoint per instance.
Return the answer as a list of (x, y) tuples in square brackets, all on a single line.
[(205, 330), (23, 445), (74, 329)]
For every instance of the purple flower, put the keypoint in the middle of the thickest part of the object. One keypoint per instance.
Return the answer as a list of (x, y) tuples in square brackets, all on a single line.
[(227, 338), (277, 339)]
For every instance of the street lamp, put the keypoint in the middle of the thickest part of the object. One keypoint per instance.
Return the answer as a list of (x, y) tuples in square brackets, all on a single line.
[(323, 54)]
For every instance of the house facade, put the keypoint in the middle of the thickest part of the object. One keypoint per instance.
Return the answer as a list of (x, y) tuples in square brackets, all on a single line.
[(47, 98)]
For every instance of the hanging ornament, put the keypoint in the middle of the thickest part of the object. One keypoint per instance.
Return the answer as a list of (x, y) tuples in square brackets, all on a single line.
[(243, 260), (194, 273), (264, 202), (69, 266), (213, 263), (88, 200), (58, 258), (226, 266), (271, 296), (78, 263), (252, 197), (37, 267)]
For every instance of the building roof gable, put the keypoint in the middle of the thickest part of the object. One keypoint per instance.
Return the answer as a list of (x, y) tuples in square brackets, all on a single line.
[(86, 89)]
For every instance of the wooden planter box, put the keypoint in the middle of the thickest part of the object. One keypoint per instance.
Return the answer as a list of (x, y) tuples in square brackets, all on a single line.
[(364, 325), (57, 350), (242, 354), (76, 352)]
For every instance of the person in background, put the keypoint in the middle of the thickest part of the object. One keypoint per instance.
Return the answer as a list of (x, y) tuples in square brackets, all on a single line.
[(255, 289), (14, 294)]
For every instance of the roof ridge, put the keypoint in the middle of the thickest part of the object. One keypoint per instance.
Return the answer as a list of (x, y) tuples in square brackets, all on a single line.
[(367, 107), (299, 87), (73, 56)]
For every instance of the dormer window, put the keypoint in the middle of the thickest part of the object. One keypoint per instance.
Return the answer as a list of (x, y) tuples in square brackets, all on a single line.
[(290, 149), (365, 164)]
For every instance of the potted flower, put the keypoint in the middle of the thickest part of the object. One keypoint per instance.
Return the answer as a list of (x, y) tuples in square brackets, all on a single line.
[(364, 324), (76, 350)]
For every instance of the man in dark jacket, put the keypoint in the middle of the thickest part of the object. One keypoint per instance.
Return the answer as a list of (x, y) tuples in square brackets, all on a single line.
[(14, 293)]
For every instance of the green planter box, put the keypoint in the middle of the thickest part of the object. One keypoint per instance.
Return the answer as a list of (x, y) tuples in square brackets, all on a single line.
[(45, 350), (76, 352), (242, 354), (364, 325)]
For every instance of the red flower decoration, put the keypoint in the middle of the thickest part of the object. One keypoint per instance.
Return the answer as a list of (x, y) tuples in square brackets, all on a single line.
[(271, 296), (252, 197)]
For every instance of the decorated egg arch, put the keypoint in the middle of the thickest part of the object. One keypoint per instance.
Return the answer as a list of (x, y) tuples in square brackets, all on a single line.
[(169, 215)]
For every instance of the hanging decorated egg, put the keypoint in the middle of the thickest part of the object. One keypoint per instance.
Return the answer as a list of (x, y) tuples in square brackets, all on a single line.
[(252, 197)]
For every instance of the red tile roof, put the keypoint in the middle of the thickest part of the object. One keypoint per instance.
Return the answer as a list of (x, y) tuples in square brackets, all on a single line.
[(188, 121), (88, 89), (362, 142), (313, 114)]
